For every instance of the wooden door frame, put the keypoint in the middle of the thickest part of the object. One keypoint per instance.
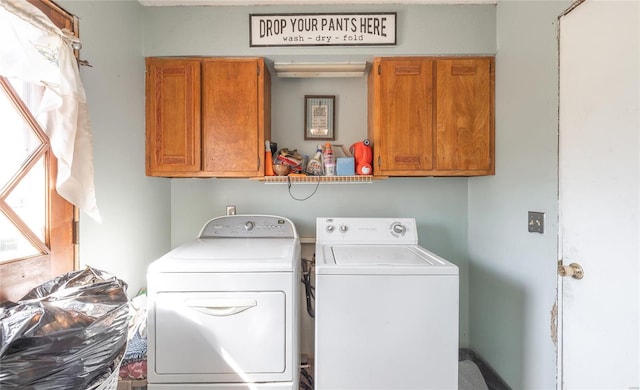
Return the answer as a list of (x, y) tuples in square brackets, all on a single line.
[(60, 250)]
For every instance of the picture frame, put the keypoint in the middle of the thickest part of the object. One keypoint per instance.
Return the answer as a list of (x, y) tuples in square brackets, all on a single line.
[(319, 117)]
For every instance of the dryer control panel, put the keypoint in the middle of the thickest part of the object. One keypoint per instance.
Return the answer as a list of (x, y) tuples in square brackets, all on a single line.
[(253, 226), (366, 231)]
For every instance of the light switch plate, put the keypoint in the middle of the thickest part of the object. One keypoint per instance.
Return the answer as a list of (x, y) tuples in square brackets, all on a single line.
[(535, 222)]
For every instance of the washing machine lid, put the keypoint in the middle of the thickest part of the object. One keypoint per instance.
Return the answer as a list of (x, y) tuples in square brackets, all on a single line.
[(380, 260), (231, 255)]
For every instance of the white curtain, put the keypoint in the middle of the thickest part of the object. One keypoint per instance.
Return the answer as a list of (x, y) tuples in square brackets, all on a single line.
[(33, 49)]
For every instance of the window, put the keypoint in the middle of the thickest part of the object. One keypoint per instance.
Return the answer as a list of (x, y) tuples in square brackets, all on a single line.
[(36, 224)]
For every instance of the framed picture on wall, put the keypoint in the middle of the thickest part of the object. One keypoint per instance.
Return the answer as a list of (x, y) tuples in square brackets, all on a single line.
[(319, 117)]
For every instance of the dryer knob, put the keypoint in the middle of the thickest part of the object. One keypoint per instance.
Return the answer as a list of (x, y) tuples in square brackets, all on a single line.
[(330, 228), (398, 228), (248, 226), (344, 228)]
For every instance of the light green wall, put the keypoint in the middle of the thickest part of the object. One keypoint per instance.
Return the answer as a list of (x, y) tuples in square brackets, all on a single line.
[(135, 208), (507, 285), (224, 31), (439, 204), (512, 271)]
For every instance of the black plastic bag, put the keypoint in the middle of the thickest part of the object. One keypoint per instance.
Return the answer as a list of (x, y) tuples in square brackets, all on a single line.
[(68, 333)]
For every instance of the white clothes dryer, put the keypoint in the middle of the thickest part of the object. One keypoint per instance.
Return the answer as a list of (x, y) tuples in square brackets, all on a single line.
[(386, 314), (223, 308)]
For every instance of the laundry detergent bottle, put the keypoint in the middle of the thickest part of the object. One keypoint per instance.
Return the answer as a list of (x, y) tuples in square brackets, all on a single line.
[(363, 157)]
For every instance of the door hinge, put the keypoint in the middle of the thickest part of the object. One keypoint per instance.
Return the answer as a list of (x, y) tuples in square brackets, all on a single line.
[(75, 232)]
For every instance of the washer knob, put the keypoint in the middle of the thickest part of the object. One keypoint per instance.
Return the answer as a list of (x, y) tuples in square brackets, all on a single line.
[(248, 226), (344, 228), (330, 228), (398, 228)]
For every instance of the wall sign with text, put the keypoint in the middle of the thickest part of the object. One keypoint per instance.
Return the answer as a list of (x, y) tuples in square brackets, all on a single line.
[(333, 29)]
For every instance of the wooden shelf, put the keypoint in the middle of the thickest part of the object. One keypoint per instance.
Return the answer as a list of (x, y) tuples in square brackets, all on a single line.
[(358, 179)]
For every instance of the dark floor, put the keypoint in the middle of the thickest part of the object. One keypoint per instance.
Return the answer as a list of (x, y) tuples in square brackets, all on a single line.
[(473, 373), (491, 378)]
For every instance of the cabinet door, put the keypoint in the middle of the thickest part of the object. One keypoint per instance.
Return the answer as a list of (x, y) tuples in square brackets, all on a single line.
[(172, 117), (233, 117), (464, 116), (402, 122)]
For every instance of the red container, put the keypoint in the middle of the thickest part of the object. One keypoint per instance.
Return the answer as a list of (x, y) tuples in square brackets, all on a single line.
[(363, 157)]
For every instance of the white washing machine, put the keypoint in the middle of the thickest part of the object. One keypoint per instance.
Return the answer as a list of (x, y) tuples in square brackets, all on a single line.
[(386, 313), (223, 308)]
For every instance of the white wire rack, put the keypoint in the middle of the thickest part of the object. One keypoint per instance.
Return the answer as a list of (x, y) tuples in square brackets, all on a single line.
[(358, 179)]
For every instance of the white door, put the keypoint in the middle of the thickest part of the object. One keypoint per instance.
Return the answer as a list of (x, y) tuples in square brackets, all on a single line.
[(599, 195)]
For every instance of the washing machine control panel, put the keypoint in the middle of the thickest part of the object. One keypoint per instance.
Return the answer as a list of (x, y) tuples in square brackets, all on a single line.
[(254, 226), (366, 230)]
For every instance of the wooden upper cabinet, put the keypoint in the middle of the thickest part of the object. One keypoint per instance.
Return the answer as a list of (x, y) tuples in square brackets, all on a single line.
[(465, 116), (432, 116), (402, 108), (172, 117), (233, 117), (207, 117)]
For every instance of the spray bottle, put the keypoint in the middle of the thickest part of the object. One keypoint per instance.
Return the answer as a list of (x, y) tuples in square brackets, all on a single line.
[(314, 166)]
